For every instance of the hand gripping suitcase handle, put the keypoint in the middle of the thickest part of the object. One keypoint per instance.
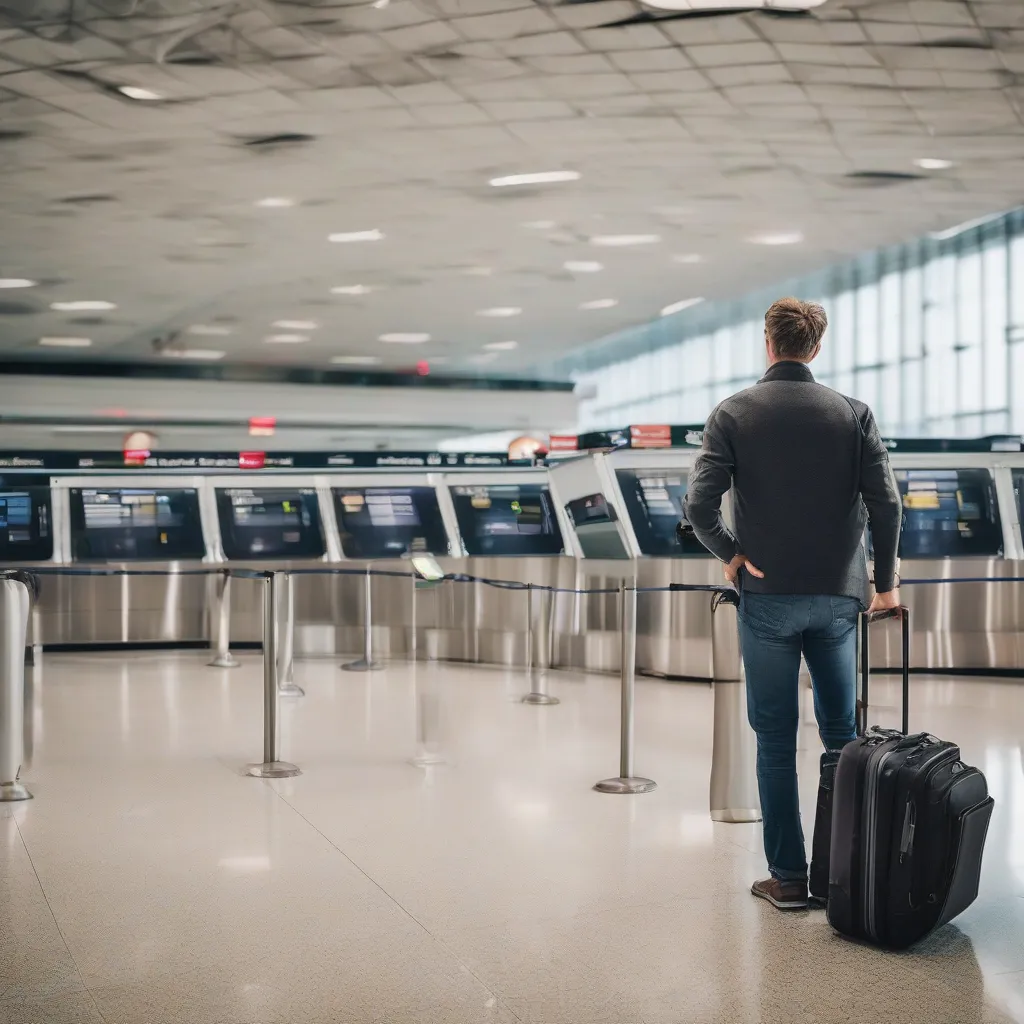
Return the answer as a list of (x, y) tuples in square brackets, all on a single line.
[(903, 614)]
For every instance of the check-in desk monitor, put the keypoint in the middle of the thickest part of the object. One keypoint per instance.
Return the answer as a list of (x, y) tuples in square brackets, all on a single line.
[(26, 524), (388, 522), (270, 522), (507, 519), (949, 512), (124, 524), (1018, 490), (595, 523), (653, 499)]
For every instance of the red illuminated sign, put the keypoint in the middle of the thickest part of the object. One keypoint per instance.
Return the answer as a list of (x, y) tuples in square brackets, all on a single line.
[(563, 443), (651, 435), (262, 426), (251, 460)]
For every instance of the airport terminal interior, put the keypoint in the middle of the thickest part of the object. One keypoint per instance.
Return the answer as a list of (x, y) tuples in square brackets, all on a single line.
[(357, 665)]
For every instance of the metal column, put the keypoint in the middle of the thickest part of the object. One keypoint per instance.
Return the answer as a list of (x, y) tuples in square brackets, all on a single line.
[(733, 792), (627, 782), (271, 767), (286, 642), (366, 662), (14, 607)]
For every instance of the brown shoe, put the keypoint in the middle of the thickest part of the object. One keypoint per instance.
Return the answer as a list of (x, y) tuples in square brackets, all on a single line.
[(784, 895)]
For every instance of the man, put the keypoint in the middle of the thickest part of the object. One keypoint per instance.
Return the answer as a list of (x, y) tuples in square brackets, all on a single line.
[(807, 469)]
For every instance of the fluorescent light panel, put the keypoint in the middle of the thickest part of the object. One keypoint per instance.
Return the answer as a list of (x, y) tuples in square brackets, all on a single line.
[(16, 282), (82, 306), (373, 235), (65, 342), (678, 307), (624, 241), (408, 338)]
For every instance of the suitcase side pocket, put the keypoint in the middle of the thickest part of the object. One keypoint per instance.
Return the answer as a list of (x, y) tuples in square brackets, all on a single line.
[(971, 830)]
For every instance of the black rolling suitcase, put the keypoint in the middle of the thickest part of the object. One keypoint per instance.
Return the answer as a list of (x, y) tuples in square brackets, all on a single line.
[(908, 826)]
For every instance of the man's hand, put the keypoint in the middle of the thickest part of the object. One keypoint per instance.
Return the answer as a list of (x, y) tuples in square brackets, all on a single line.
[(732, 569), (884, 602)]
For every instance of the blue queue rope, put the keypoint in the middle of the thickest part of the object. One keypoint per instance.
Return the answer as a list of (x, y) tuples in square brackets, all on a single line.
[(241, 573)]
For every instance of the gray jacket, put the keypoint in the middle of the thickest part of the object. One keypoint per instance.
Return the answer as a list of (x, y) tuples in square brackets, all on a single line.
[(808, 470)]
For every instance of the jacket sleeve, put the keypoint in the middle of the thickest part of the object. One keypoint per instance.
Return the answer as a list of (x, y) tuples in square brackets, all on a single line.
[(882, 498), (710, 479)]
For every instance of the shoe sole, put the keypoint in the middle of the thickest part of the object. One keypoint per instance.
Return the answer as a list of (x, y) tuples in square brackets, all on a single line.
[(792, 905)]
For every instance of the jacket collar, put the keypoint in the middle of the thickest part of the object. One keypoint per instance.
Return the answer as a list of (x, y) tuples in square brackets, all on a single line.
[(788, 370)]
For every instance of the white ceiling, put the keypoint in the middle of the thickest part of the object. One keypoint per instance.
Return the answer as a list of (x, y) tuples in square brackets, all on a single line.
[(702, 130)]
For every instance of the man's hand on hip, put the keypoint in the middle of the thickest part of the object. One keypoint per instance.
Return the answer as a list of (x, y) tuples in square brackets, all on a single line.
[(732, 569), (884, 602)]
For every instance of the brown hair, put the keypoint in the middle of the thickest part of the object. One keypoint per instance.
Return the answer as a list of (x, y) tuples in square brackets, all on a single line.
[(795, 328)]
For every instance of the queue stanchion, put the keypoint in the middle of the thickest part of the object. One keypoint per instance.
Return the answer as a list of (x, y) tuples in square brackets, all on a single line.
[(538, 680), (627, 782), (14, 607), (271, 767), (222, 657), (286, 646), (733, 789), (366, 662)]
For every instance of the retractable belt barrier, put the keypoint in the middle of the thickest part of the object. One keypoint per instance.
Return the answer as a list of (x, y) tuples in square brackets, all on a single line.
[(732, 796)]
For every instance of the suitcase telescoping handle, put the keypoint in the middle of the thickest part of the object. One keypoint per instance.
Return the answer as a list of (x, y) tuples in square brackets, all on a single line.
[(903, 614)]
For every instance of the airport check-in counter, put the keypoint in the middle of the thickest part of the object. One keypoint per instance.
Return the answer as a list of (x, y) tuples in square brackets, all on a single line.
[(624, 507), (145, 521), (962, 518)]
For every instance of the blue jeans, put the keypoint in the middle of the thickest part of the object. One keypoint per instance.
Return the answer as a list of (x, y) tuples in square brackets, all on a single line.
[(774, 630)]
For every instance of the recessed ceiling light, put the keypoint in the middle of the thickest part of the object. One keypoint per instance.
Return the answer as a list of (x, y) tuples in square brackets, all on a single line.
[(688, 257), (353, 289), (135, 92), (599, 304), (619, 241), (537, 178), (209, 330), (928, 163), (583, 266), (498, 312), (65, 342), (374, 235), (193, 353), (540, 225), (777, 238), (285, 339), (297, 325), (478, 271), (355, 360), (82, 306), (16, 282), (399, 338), (678, 307), (501, 346), (275, 202)]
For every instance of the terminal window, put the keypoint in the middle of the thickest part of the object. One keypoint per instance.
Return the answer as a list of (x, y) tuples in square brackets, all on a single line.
[(130, 524), (268, 522), (507, 519), (25, 533), (654, 502), (949, 512), (388, 522)]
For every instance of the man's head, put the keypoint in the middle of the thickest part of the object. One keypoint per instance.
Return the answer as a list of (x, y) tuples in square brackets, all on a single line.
[(793, 330)]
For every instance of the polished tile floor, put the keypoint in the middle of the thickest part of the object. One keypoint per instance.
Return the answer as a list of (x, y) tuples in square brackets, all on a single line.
[(151, 882)]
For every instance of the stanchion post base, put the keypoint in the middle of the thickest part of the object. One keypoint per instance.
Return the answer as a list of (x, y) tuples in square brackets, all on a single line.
[(633, 785), (362, 665), (273, 770), (13, 791), (427, 760), (736, 815), (291, 690), (224, 661), (540, 698)]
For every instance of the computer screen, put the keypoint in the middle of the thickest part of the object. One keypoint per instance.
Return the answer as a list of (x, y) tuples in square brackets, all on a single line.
[(654, 503), (26, 525), (949, 512), (135, 524), (507, 519), (388, 522), (270, 522)]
